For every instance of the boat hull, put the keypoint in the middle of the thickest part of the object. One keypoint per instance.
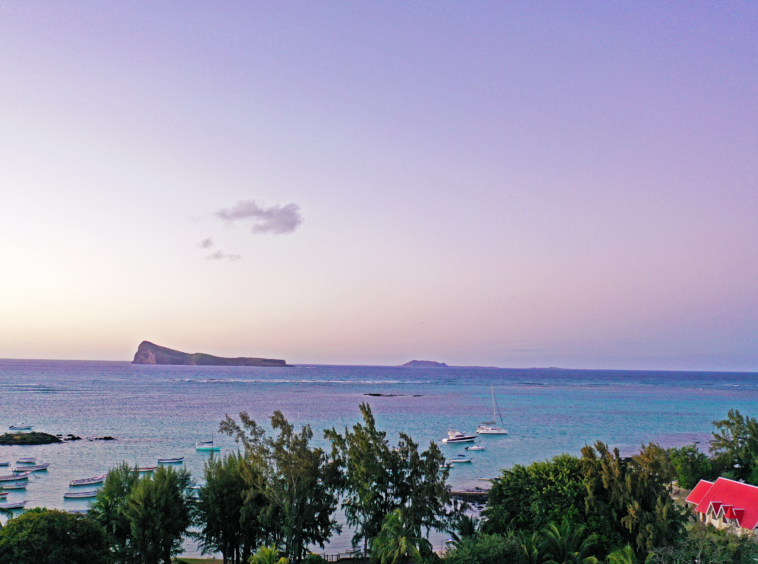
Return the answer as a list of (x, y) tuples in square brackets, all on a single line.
[(460, 440), (80, 495)]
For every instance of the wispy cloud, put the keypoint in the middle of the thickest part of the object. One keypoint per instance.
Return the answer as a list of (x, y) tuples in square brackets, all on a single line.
[(275, 219), (206, 243), (221, 255)]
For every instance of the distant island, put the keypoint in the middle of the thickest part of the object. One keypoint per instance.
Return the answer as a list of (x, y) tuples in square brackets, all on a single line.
[(149, 353), (424, 364)]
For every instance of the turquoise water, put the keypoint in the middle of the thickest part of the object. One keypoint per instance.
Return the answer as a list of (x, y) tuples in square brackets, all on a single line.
[(161, 411)]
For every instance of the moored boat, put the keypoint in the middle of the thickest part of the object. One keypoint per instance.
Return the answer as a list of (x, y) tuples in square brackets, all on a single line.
[(490, 427), (27, 460), (475, 447), (13, 505), (454, 436), (207, 446), (3, 494), (21, 427), (19, 486), (88, 481), (145, 469), (15, 477), (5, 463), (27, 468), (176, 460), (80, 495), (458, 459)]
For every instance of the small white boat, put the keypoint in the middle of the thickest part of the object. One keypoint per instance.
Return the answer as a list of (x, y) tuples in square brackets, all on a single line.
[(21, 427), (458, 459), (176, 460), (490, 427), (475, 447), (80, 495), (13, 505), (27, 468), (27, 460), (206, 446), (454, 436), (15, 477), (21, 486), (145, 469), (88, 481), (448, 465)]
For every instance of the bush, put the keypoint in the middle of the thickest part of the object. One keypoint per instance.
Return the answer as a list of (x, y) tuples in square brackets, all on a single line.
[(484, 549), (314, 559), (690, 466), (42, 536)]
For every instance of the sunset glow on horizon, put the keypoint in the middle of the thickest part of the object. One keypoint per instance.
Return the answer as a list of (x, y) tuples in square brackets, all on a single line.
[(486, 184)]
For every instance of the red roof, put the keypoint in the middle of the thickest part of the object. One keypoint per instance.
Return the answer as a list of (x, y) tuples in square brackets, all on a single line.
[(735, 499), (700, 490)]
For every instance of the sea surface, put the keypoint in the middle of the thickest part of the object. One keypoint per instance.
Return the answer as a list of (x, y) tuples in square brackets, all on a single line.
[(161, 411)]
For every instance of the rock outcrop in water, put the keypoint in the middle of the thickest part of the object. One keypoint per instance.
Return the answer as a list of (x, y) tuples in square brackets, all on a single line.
[(424, 364), (149, 353)]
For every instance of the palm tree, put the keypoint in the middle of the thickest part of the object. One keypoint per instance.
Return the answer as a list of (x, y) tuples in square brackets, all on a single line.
[(399, 541), (464, 527), (622, 556), (267, 555), (530, 547), (566, 544)]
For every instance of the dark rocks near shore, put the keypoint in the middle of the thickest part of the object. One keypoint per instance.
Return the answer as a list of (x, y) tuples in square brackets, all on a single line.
[(30, 438)]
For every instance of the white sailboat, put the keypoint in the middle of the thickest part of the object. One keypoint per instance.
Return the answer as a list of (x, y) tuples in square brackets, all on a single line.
[(490, 427)]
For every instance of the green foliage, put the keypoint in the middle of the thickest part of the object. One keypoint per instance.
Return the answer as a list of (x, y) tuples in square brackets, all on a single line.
[(633, 496), (690, 466), (42, 536), (734, 446), (486, 549), (464, 527), (377, 479), (109, 509), (314, 559), (297, 482), (567, 544), (159, 511), (530, 497), (705, 544), (622, 556), (267, 555), (398, 541), (227, 512)]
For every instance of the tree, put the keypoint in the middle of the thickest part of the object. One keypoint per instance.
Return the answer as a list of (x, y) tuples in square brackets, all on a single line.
[(297, 481), (376, 479), (399, 541), (530, 497), (267, 555), (567, 544), (704, 545), (109, 509), (690, 466), (159, 511), (49, 536), (633, 497), (734, 446), (226, 515), (464, 527)]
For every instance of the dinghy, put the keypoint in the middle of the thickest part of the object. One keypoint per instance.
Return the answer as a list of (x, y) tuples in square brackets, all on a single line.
[(475, 447), (80, 495), (88, 481), (171, 460), (27, 468), (459, 458), (3, 494), (13, 505), (21, 486), (15, 477), (147, 469), (5, 463), (27, 460)]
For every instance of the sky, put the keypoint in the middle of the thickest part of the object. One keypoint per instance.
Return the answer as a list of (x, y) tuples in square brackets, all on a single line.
[(478, 183)]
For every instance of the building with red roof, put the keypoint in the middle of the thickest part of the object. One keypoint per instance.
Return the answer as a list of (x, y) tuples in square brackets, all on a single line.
[(726, 504)]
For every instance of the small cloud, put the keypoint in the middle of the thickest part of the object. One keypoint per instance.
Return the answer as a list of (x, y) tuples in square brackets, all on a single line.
[(275, 219), (206, 243), (220, 255)]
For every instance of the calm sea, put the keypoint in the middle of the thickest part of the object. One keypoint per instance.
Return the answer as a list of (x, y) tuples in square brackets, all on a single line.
[(161, 411)]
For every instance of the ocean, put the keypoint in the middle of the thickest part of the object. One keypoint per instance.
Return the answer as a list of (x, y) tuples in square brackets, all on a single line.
[(162, 411)]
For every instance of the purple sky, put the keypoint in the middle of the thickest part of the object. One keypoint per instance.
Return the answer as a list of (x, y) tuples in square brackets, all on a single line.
[(509, 184)]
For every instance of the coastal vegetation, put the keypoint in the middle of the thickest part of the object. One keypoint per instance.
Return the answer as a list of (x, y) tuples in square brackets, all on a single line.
[(29, 438), (277, 496)]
